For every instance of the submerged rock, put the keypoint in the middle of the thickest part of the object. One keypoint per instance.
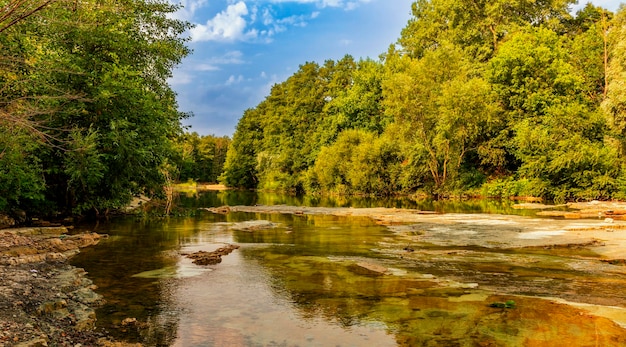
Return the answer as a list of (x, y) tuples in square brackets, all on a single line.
[(254, 225), (369, 269)]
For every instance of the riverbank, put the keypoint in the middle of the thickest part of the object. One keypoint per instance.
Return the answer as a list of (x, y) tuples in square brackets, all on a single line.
[(43, 300)]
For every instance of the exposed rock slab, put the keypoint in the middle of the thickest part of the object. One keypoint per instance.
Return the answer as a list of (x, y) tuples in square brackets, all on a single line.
[(211, 258), (44, 301)]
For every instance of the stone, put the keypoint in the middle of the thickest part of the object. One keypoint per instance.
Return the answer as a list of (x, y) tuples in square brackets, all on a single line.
[(369, 269), (211, 258)]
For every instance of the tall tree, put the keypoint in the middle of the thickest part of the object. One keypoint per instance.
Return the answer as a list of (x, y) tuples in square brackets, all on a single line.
[(92, 75), (614, 104), (479, 26), (440, 101), (557, 134)]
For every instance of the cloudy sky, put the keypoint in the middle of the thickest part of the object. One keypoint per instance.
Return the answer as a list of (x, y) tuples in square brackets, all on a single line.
[(243, 47)]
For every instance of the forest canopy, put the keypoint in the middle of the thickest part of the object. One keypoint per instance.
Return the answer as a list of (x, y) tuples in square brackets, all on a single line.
[(491, 98)]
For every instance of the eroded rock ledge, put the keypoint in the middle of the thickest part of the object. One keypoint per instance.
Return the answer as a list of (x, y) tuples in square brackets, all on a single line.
[(43, 300)]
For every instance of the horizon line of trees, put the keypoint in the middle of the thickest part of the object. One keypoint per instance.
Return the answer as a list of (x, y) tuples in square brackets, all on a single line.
[(481, 97), (201, 157)]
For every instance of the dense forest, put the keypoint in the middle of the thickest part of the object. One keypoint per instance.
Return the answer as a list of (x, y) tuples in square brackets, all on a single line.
[(488, 98), (201, 158), (87, 118)]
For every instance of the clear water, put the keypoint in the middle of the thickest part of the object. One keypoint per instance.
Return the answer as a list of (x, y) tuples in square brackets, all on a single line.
[(302, 283)]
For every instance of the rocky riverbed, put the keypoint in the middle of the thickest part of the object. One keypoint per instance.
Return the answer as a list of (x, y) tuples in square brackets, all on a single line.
[(43, 300)]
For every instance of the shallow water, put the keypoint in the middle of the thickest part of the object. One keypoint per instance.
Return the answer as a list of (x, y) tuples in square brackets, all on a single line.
[(303, 283)]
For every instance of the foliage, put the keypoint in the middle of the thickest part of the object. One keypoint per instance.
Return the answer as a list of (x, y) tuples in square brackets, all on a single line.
[(21, 183), (614, 105), (277, 142), (556, 135), (442, 104), (201, 158), (87, 81), (477, 26), (358, 162), (520, 97)]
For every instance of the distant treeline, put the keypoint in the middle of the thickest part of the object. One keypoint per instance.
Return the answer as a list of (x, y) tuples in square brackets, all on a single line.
[(486, 97), (201, 158)]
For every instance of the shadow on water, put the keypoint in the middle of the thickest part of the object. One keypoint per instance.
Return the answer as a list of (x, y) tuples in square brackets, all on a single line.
[(316, 281)]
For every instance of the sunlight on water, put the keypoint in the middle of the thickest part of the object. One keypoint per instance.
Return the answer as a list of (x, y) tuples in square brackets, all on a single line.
[(235, 305), (345, 281)]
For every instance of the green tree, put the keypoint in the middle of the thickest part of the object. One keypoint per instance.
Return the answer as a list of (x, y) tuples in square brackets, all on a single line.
[(442, 104), (614, 105), (240, 165), (556, 133), (89, 79), (201, 158), (479, 26)]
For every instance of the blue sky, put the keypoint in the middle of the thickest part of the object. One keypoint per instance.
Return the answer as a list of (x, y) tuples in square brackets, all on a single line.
[(243, 47)]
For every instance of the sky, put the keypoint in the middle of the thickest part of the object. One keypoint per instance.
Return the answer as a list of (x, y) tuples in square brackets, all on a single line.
[(241, 48)]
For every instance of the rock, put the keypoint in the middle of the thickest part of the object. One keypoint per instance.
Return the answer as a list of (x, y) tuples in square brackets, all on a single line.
[(6, 221), (33, 245), (51, 306), (211, 258), (37, 342), (129, 321), (87, 296), (219, 210), (43, 300), (369, 269), (254, 225), (85, 317)]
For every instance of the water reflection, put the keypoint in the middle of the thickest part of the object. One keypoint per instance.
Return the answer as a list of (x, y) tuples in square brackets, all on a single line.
[(301, 283), (195, 199)]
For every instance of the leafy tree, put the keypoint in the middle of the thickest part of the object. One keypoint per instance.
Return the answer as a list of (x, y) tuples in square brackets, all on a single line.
[(440, 102), (614, 105), (201, 157), (21, 182), (89, 79), (589, 48), (240, 166), (358, 162), (503, 92), (556, 134), (479, 26), (358, 104)]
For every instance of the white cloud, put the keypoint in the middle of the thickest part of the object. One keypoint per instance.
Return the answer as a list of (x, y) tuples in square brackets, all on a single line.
[(228, 25), (232, 57), (189, 8), (234, 80), (345, 4)]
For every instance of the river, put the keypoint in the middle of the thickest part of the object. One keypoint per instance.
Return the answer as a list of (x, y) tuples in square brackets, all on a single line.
[(317, 279)]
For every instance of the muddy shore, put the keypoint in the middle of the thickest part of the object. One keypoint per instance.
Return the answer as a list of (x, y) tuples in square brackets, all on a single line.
[(43, 300)]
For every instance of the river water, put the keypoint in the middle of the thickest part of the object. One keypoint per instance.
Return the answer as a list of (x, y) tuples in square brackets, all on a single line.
[(307, 280)]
